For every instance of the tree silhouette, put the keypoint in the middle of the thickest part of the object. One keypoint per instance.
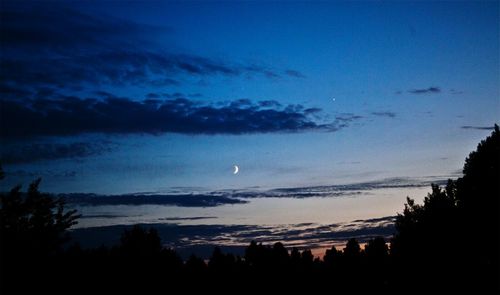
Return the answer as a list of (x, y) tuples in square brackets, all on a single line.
[(376, 249), (140, 242), (478, 196), (307, 259), (32, 229), (352, 249), (351, 259), (221, 262), (280, 256), (33, 223), (377, 263), (434, 233), (332, 258), (195, 267)]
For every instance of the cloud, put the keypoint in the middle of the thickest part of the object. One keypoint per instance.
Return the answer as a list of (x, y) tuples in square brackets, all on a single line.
[(10, 92), (189, 238), (72, 116), (33, 152), (379, 219), (186, 198), (429, 90), (57, 47), (343, 190), (269, 103), (59, 28), (312, 110), (326, 191), (295, 74), (349, 162), (53, 57), (153, 95), (107, 216), (187, 218), (478, 127), (110, 216), (116, 67), (384, 114), (183, 200), (347, 117)]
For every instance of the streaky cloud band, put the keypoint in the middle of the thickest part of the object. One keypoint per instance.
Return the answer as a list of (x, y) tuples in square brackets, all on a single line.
[(223, 197), (478, 127)]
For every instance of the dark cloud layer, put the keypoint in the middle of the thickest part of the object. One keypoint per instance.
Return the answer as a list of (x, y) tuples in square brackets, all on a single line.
[(53, 57), (429, 90), (72, 116), (57, 27), (46, 47)]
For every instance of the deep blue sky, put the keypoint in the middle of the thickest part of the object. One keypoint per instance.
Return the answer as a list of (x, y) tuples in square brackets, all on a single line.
[(120, 97)]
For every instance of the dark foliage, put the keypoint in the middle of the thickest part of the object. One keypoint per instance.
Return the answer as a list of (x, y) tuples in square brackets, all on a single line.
[(33, 223), (448, 244), (437, 243), (32, 230)]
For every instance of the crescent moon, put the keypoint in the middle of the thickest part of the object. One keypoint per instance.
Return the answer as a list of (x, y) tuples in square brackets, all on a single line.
[(236, 169)]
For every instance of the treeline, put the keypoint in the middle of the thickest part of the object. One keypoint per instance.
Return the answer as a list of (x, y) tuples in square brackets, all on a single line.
[(450, 243)]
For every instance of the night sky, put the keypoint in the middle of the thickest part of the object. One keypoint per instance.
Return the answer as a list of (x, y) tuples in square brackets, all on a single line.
[(153, 97)]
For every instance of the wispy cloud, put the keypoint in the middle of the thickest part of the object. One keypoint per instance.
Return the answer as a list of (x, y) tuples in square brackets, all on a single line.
[(183, 200), (387, 114), (294, 73), (429, 90), (345, 118), (34, 152), (350, 189), (33, 175), (478, 127), (56, 47), (217, 198), (187, 218)]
